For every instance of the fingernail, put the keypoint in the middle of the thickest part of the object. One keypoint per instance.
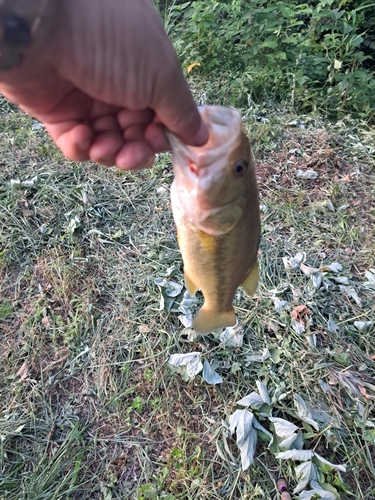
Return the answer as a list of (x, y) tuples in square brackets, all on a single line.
[(201, 137)]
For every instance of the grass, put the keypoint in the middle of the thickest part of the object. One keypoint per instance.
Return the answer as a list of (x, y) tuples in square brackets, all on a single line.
[(88, 407)]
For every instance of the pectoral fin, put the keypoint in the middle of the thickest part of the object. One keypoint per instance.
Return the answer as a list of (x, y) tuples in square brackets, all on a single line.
[(221, 220), (251, 281), (190, 285), (207, 321)]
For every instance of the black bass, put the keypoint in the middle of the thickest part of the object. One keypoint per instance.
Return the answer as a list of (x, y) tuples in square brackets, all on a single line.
[(216, 210)]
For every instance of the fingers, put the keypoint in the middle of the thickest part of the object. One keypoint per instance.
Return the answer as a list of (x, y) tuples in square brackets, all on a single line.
[(156, 138), (74, 140), (135, 154), (128, 141), (105, 147)]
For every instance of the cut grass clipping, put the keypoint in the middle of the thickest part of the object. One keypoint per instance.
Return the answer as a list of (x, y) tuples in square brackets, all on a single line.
[(106, 392)]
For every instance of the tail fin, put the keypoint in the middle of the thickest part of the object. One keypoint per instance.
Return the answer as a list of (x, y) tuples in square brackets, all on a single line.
[(207, 321)]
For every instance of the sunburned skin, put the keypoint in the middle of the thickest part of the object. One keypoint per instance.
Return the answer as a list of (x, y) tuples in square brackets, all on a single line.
[(216, 210)]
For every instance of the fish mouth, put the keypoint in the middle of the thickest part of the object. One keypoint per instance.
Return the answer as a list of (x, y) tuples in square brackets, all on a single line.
[(224, 124)]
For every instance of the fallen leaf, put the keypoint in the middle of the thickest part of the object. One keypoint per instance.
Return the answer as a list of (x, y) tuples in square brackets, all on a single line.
[(300, 312), (307, 270), (252, 399), (23, 371), (191, 66), (210, 375), (283, 428), (299, 455), (304, 412), (45, 321), (363, 391), (241, 421), (307, 174), (232, 336), (305, 472), (188, 365), (350, 292), (263, 391)]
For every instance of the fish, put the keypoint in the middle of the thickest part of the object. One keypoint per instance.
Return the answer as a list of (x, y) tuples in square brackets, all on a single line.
[(215, 205)]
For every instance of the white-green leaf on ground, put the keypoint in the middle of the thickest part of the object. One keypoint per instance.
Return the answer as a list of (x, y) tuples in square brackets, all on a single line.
[(323, 417), (299, 455), (171, 288), (307, 495), (305, 472), (28, 183), (307, 270), (317, 281), (362, 325), (335, 267), (186, 320), (341, 280), (330, 206), (298, 327), (189, 363), (263, 391), (318, 490), (241, 422), (171, 271), (293, 442), (259, 356), (209, 374), (325, 387), (185, 307), (307, 174), (341, 468), (260, 427), (312, 340), (295, 261), (370, 283), (73, 224), (350, 292), (283, 428), (332, 327), (232, 336), (170, 294), (253, 400), (280, 304), (303, 412)]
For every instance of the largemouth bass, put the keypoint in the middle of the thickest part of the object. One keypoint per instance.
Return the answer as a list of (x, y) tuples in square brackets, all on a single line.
[(216, 210)]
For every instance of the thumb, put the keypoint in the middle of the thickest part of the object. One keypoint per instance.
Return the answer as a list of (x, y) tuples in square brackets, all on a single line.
[(178, 112)]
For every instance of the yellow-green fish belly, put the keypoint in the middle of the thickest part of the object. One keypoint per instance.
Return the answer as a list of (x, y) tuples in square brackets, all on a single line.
[(219, 264)]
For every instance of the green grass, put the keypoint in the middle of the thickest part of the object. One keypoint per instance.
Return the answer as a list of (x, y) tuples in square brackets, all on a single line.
[(88, 406)]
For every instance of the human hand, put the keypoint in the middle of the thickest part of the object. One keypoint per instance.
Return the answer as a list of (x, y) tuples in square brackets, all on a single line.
[(104, 79)]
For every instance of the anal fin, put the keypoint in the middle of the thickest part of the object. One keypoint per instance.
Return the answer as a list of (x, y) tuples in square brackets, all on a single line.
[(190, 285), (207, 321), (251, 281)]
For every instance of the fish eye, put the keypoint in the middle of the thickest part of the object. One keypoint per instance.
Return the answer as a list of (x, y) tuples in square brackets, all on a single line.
[(240, 167)]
